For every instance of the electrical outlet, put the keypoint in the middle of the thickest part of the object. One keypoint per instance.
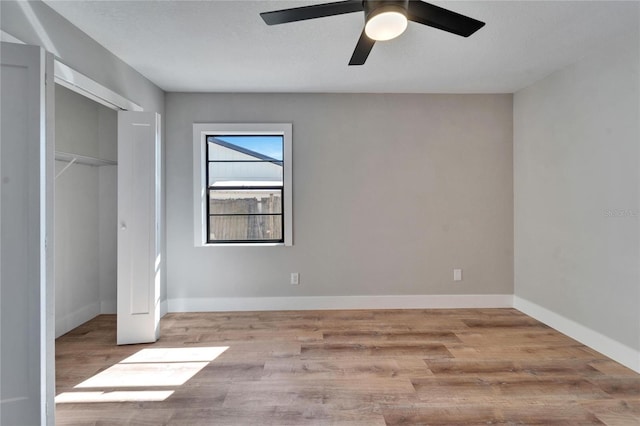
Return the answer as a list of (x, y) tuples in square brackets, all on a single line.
[(457, 274), (295, 278)]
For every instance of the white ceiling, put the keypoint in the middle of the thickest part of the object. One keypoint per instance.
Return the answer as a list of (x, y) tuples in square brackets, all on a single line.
[(224, 46)]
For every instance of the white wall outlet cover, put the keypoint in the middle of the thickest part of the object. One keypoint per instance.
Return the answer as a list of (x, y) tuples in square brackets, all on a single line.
[(295, 278), (457, 274)]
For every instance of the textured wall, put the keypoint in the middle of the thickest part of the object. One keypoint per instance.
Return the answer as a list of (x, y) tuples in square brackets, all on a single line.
[(576, 148)]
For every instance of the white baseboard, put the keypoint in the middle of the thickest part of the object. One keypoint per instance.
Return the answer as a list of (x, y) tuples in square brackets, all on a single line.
[(68, 322), (615, 350), (222, 304), (108, 307)]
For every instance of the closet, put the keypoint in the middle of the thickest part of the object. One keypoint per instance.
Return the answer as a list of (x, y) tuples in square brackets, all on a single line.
[(85, 209), (59, 217)]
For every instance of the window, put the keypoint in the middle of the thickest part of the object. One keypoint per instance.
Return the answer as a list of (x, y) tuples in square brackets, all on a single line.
[(242, 184)]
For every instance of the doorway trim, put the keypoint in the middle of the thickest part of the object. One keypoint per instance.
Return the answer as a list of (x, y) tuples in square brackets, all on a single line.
[(74, 80)]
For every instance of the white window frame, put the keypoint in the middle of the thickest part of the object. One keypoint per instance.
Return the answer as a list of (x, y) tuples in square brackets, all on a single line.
[(200, 133)]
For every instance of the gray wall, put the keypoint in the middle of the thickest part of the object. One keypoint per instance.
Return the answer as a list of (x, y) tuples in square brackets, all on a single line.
[(576, 148), (390, 193), (85, 212)]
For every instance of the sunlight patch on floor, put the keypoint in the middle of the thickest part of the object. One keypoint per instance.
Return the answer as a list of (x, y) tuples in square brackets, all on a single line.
[(116, 396), (152, 367), (176, 355), (144, 374)]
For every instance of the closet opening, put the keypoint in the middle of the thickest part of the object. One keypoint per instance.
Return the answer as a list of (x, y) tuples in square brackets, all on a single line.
[(85, 209)]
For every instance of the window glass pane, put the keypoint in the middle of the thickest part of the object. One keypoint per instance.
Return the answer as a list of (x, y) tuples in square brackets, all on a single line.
[(245, 227), (250, 201), (245, 174), (245, 147)]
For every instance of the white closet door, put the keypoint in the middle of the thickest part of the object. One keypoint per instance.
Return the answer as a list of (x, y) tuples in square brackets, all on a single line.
[(138, 226), (26, 220)]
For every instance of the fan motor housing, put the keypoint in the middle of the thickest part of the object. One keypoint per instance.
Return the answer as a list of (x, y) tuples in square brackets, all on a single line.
[(374, 7)]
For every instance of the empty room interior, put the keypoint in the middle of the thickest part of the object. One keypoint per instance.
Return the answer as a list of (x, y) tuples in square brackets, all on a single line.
[(320, 213)]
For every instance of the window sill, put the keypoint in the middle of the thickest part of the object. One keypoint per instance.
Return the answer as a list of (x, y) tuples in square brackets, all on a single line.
[(243, 245)]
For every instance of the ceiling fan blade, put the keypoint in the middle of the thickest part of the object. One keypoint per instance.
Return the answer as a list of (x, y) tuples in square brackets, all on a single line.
[(362, 50), (311, 12), (442, 19)]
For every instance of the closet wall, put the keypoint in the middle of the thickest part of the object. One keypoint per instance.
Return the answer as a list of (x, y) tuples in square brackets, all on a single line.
[(85, 210)]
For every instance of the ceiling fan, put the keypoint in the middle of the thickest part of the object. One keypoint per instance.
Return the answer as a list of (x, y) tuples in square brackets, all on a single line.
[(384, 19)]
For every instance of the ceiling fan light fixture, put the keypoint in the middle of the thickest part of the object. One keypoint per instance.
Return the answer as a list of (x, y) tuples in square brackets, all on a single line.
[(385, 23), (383, 19)]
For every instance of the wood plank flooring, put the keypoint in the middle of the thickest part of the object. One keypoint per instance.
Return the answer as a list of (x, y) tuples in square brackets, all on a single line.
[(368, 367)]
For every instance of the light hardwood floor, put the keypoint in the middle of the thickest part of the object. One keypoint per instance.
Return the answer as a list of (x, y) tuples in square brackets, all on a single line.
[(368, 367)]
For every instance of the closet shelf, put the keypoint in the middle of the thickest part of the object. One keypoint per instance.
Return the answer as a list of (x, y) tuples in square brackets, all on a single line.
[(82, 159)]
